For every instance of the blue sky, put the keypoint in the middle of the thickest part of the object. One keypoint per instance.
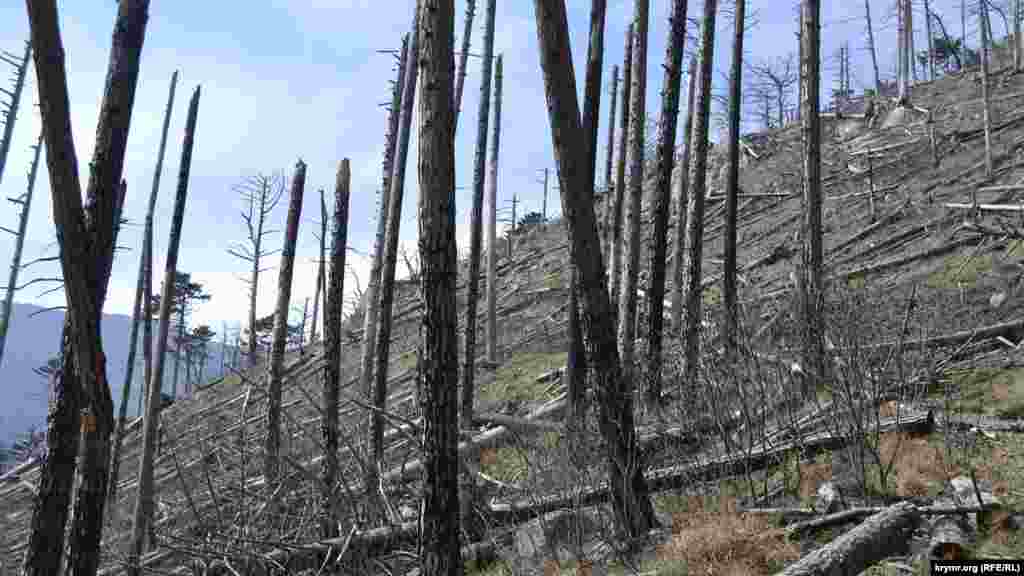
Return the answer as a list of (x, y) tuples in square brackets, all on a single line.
[(284, 79)]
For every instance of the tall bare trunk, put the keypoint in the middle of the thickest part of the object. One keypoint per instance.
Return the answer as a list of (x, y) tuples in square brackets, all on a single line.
[(666, 155), (320, 268), (618, 208), (272, 444), (371, 297), (732, 186), (1017, 59), (811, 274), (637, 124), (19, 244), (931, 43), (439, 364), (12, 109), (633, 511), (609, 184), (460, 77), (985, 88), (332, 345), (492, 212), (143, 514), (871, 46), (682, 186), (911, 54), (476, 231), (87, 238), (390, 254), (695, 205)]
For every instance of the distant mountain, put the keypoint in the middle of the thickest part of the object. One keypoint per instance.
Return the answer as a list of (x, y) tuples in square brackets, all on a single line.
[(32, 340)]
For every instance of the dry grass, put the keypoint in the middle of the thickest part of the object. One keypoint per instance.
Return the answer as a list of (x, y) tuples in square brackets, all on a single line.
[(712, 537), (920, 468)]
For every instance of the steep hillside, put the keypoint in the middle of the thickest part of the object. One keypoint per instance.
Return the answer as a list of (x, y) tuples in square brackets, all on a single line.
[(902, 267)]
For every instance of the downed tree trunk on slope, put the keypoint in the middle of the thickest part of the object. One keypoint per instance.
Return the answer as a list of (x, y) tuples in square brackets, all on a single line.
[(880, 536)]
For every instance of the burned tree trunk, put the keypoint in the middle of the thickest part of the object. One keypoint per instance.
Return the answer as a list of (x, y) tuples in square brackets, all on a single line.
[(871, 46), (476, 231), (439, 357), (618, 210), (666, 153), (320, 268), (637, 118), (390, 256), (143, 514), (19, 244), (930, 43), (1017, 60), (609, 184), (272, 444), (492, 214), (332, 345), (460, 78), (633, 511), (810, 276), (372, 298), (985, 88), (682, 197), (695, 200), (87, 238), (732, 186), (12, 109)]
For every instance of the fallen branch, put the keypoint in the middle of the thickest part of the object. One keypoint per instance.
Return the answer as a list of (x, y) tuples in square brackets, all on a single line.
[(899, 261), (986, 207)]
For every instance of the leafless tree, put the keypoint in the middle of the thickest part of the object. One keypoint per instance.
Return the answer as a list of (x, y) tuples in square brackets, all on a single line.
[(665, 158), (871, 45), (780, 76), (695, 204), (272, 446), (492, 215), (25, 201), (810, 277), (476, 230), (732, 184), (87, 238), (260, 195), (637, 125), (618, 210), (11, 113), (682, 187), (332, 345), (630, 501), (143, 514), (320, 267), (438, 372)]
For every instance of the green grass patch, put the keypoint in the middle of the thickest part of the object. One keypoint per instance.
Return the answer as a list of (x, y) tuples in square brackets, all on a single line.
[(991, 391), (406, 360), (553, 280), (959, 270), (508, 464), (517, 378), (496, 568), (712, 296)]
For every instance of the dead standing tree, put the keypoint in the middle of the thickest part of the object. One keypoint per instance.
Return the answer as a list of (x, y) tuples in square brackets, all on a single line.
[(618, 211), (143, 513), (492, 215), (390, 259), (25, 201), (320, 268), (476, 225), (332, 344), (275, 374), (11, 113), (576, 362), (780, 77), (682, 186), (438, 372), (371, 298), (86, 238), (633, 511), (665, 158), (810, 276), (143, 297), (260, 195), (732, 186), (637, 122), (871, 46), (695, 200)]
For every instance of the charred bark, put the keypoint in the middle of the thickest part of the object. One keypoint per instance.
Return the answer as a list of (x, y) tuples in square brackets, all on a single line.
[(682, 186), (618, 210)]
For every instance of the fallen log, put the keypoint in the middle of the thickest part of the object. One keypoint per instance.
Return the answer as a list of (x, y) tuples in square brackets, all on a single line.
[(853, 514), (703, 471), (901, 260), (1013, 329), (985, 207), (518, 424), (884, 534)]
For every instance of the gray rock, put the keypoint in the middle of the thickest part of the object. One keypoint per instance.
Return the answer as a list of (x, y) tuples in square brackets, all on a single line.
[(829, 499)]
